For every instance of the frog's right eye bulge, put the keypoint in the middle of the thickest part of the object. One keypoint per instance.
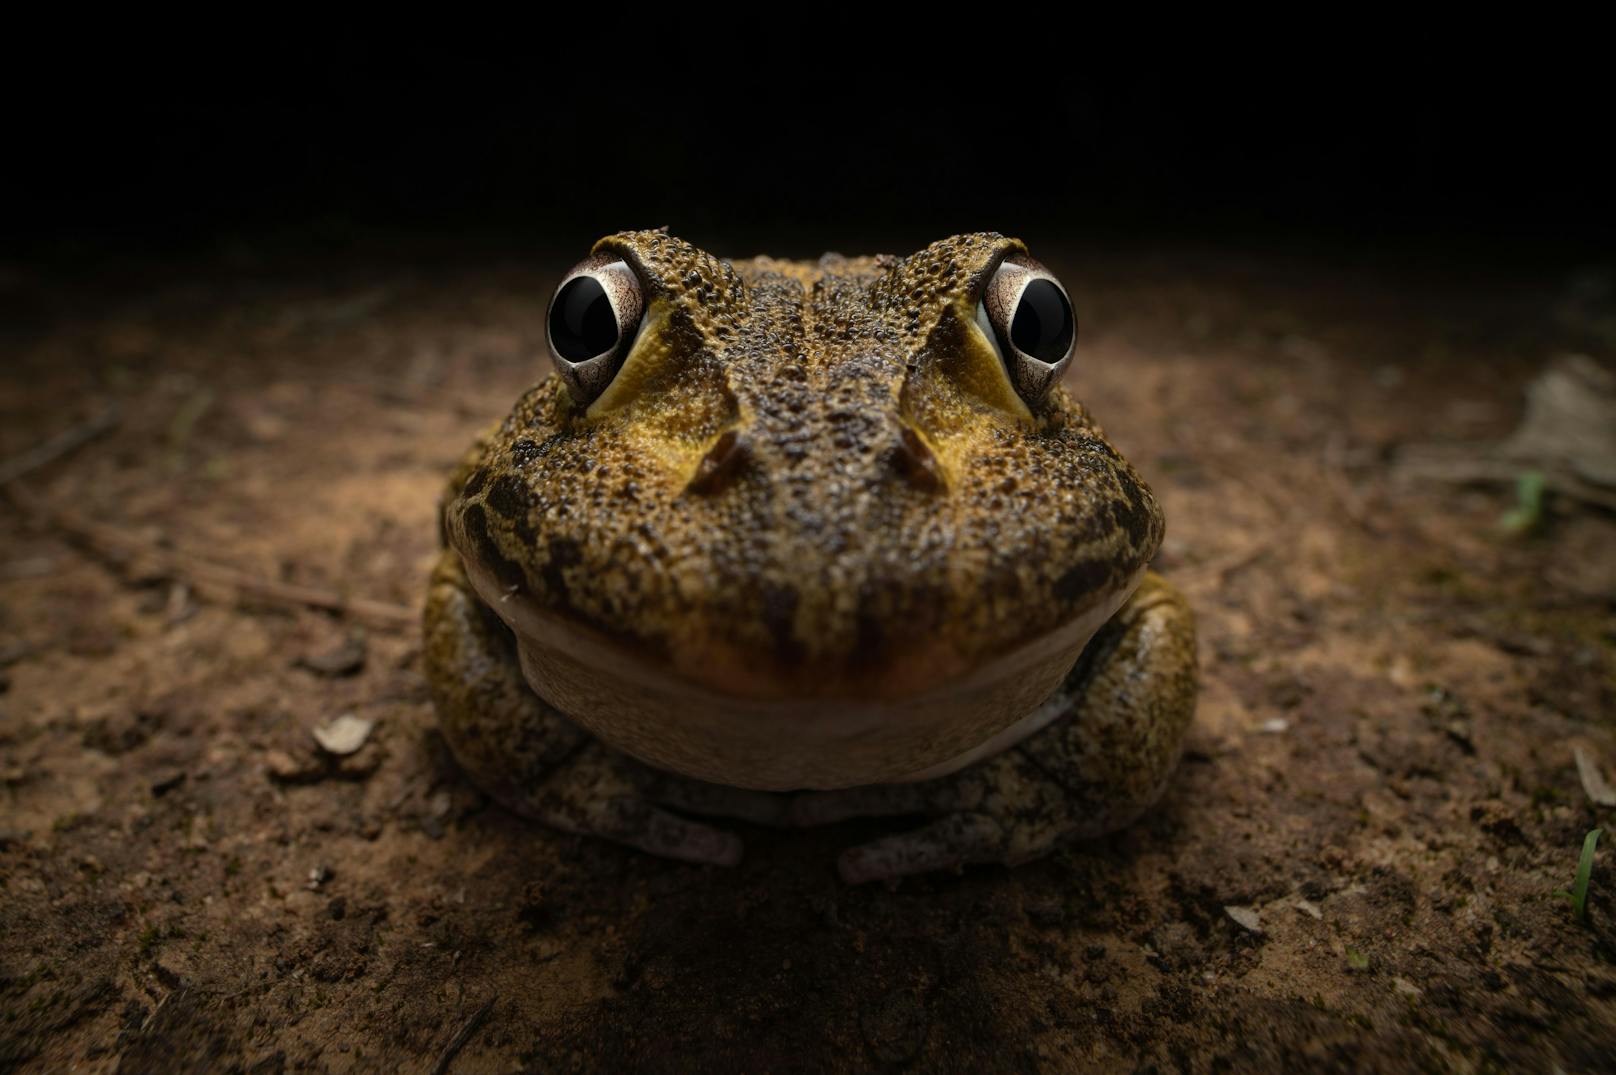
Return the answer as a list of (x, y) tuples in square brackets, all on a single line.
[(594, 320), (582, 322), (1025, 312)]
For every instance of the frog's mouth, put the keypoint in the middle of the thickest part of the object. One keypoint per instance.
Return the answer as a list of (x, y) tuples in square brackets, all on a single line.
[(739, 732)]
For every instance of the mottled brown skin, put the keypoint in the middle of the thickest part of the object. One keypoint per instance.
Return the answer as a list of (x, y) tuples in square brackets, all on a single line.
[(812, 480)]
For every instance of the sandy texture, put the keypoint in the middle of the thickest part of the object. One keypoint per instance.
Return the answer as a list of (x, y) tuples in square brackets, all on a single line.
[(1355, 869)]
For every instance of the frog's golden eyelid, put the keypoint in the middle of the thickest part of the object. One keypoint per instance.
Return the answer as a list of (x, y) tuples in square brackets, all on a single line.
[(1028, 316), (595, 317)]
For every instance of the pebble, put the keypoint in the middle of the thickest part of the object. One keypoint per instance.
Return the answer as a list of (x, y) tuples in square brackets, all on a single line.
[(1245, 917), (343, 736), (347, 658), (282, 766)]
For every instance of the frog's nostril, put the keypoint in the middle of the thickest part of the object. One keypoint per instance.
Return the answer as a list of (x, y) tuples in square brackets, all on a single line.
[(720, 465), (914, 460)]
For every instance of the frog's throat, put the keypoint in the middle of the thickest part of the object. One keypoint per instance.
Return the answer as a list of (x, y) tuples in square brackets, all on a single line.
[(641, 706)]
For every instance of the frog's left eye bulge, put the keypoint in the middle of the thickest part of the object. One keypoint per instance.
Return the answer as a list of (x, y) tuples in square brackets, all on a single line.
[(582, 324), (1026, 313), (594, 319)]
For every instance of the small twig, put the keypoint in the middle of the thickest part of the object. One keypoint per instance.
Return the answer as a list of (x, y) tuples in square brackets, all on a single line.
[(1454, 467), (1334, 471), (1221, 569), (115, 544), (74, 437), (462, 1036)]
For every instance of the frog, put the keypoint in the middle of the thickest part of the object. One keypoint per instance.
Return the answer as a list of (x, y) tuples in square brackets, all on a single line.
[(787, 543)]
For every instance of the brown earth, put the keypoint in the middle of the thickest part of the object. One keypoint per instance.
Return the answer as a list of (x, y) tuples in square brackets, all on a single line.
[(1381, 770)]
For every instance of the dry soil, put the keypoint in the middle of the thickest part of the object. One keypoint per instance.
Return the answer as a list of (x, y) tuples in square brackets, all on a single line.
[(1355, 869)]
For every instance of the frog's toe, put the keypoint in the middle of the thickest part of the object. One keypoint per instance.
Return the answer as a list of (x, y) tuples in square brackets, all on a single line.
[(598, 793), (1003, 809), (951, 842), (633, 821)]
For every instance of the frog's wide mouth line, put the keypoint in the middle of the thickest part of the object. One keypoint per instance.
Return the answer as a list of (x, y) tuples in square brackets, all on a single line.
[(617, 658), (776, 736)]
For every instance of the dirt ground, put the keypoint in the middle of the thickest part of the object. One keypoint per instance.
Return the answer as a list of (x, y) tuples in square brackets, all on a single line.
[(1355, 868)]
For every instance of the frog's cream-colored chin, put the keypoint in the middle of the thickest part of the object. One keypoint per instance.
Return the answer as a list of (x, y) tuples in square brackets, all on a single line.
[(643, 708)]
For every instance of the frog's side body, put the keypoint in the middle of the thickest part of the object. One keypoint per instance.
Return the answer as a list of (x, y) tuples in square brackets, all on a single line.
[(810, 537)]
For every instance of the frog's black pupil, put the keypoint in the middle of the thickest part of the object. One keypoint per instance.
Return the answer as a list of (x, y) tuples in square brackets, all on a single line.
[(1043, 325), (582, 324)]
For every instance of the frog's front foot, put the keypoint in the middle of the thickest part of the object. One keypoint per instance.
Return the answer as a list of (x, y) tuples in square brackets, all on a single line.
[(541, 765), (599, 792), (1089, 772)]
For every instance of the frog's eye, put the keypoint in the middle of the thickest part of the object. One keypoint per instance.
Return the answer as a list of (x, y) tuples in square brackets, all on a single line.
[(594, 320), (1025, 312)]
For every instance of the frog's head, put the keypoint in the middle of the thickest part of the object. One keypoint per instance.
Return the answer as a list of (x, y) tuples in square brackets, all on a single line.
[(849, 487)]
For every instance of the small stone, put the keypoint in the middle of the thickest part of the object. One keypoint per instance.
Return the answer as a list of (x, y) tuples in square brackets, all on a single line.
[(265, 428), (178, 606), (1402, 672), (1274, 726), (1308, 907), (282, 766), (318, 876), (343, 736), (1245, 917), (347, 658)]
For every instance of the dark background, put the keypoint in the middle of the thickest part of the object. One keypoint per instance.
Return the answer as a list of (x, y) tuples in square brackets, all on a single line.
[(133, 150)]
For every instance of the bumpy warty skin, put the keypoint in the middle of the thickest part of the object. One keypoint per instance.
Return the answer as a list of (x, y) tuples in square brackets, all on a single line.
[(809, 478)]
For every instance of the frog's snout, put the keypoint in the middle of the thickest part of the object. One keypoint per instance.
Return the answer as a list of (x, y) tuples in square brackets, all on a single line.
[(727, 457), (908, 458), (914, 461)]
